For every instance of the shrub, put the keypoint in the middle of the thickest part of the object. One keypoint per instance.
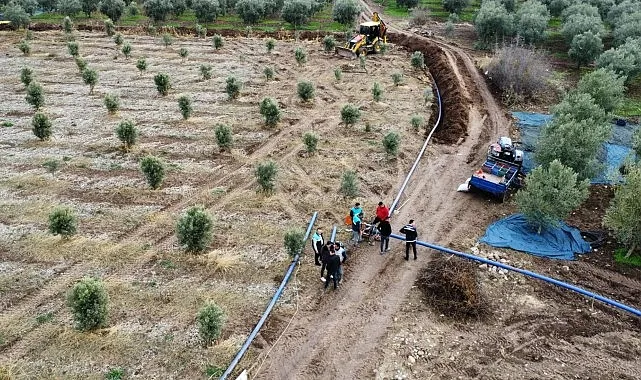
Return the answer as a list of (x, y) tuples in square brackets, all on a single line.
[(89, 301), (132, 9), (72, 47), (205, 10), (329, 43), (167, 39), (26, 75), (297, 12), (417, 121), (580, 8), (127, 134), (158, 10), (126, 50), (519, 72), (493, 22), (141, 64), (578, 24), (419, 16), (417, 60), (201, 31), (617, 11), (183, 53), (233, 87), (205, 71), (270, 44), (377, 92), (112, 9), (300, 55), (179, 7), (51, 166), (153, 170), (269, 73), (391, 142), (81, 63), (24, 47), (67, 25), (605, 87), (217, 41), (29, 6), (211, 320), (636, 143), (531, 21), (628, 27), (455, 6), (63, 222), (224, 137), (550, 195), (112, 103), (305, 90), (349, 184), (118, 39), (350, 114), (16, 15), (250, 11), (338, 74), (90, 77), (194, 230), (624, 60), (184, 103), (428, 94), (163, 83), (69, 8), (311, 141), (47, 5), (294, 241), (115, 373), (41, 126), (585, 48), (270, 111), (345, 11), (110, 28), (35, 95), (397, 78), (624, 214), (266, 176), (361, 62)]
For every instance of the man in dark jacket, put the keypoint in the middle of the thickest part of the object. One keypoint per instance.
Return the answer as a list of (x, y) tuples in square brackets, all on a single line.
[(333, 266), (317, 245), (410, 238), (386, 230), (324, 258)]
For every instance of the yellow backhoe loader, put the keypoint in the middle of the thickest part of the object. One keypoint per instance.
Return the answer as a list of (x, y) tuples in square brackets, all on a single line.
[(370, 36)]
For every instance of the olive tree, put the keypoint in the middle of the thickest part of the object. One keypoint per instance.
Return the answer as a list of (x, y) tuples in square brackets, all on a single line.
[(158, 10), (205, 10), (350, 114), (391, 142), (211, 319), (163, 83), (624, 60), (63, 222), (297, 12), (407, 3), (300, 55), (270, 111), (233, 86), (154, 171), (29, 6), (349, 184), (305, 90), (624, 214), (250, 11), (531, 21), (26, 75), (89, 303), (266, 176), (141, 64), (493, 22), (618, 11), (345, 11), (585, 48), (224, 137), (90, 77), (127, 133), (455, 6), (112, 9), (89, 6), (69, 7), (41, 126), (628, 27), (294, 241), (35, 95), (194, 230), (605, 86), (550, 194), (579, 23), (16, 15)]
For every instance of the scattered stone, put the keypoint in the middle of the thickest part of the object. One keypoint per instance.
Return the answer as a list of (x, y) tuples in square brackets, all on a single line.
[(483, 266), (565, 268), (411, 360)]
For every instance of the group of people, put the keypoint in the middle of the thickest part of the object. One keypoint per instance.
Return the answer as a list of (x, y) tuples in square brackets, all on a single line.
[(330, 256)]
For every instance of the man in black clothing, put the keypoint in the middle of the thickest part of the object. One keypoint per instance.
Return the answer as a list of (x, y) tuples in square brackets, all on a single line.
[(410, 238), (325, 257), (333, 266), (386, 230)]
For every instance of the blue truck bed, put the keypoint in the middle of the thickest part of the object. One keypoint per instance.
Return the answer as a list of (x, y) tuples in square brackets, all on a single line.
[(495, 177)]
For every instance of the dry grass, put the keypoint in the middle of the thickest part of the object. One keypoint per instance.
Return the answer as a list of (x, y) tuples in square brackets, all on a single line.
[(222, 261)]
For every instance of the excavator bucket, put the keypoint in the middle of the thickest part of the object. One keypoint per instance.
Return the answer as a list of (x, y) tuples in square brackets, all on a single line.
[(345, 52)]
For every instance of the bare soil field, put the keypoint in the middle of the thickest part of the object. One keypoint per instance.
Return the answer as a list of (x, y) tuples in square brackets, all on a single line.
[(126, 231)]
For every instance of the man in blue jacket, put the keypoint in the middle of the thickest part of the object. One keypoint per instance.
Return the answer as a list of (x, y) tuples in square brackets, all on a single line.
[(409, 230)]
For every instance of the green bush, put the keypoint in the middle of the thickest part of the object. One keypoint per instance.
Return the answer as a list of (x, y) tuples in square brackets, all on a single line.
[(126, 50), (158, 10), (300, 55), (119, 39), (585, 48), (41, 126), (338, 74), (224, 137), (24, 47), (580, 23), (250, 11), (305, 90), (345, 11), (349, 185), (233, 87), (35, 95), (270, 111), (89, 301), (90, 77), (194, 230), (141, 64), (531, 21), (428, 95), (201, 31), (624, 213), (606, 88), (81, 63), (132, 9), (350, 114), (211, 320), (297, 12), (217, 41), (63, 222), (455, 6), (311, 141), (26, 75), (205, 71), (115, 373), (377, 92), (493, 22), (16, 15), (329, 43), (269, 73), (391, 142), (417, 60), (624, 60), (51, 165), (110, 28), (270, 44), (67, 25), (154, 171), (294, 241), (184, 103), (397, 78), (28, 35), (361, 62), (127, 134), (205, 10), (550, 195), (266, 176), (417, 121), (636, 143), (112, 103), (112, 9), (183, 52), (72, 47), (167, 39), (163, 84)]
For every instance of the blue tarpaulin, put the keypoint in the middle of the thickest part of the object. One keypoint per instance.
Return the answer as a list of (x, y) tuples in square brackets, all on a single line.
[(556, 243)]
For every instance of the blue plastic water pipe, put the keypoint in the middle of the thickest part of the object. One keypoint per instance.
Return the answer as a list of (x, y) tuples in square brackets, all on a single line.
[(275, 298), (333, 234), (528, 273)]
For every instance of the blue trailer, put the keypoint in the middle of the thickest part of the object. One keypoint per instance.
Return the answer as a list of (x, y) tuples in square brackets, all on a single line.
[(496, 177)]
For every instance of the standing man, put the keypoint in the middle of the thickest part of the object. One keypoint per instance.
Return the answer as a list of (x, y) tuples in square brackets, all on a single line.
[(382, 213), (356, 229), (325, 258), (340, 252), (386, 230), (356, 210), (333, 266), (409, 230), (317, 245)]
